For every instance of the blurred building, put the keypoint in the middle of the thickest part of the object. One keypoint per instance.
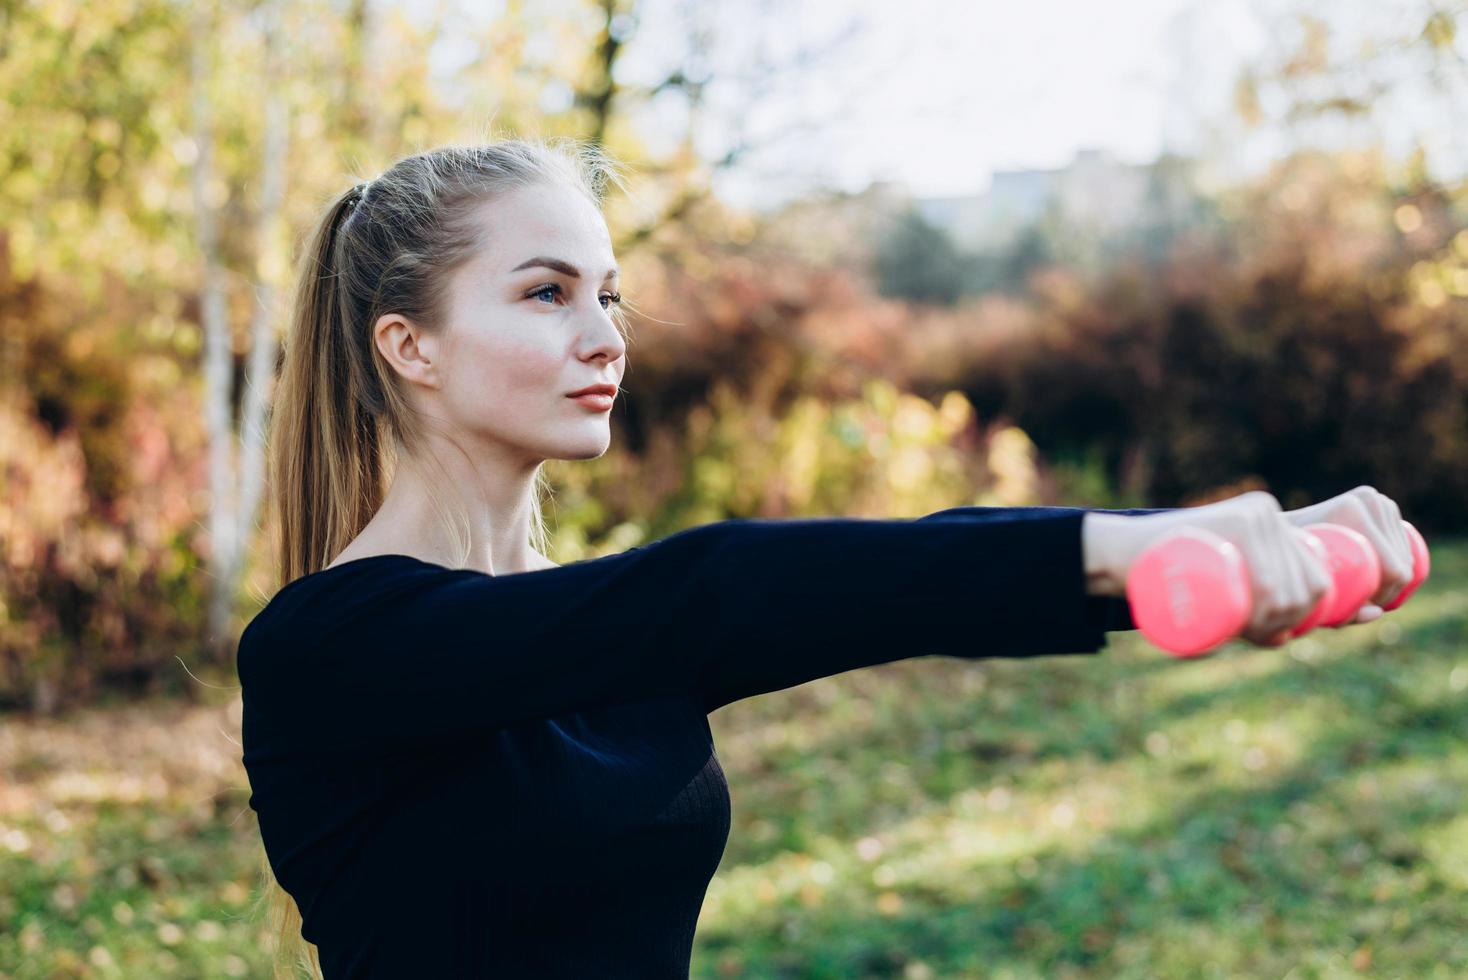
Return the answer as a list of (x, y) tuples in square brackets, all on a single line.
[(1096, 196), (1086, 214)]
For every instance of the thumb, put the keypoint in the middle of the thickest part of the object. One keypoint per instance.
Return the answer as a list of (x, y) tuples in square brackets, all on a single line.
[(1365, 614)]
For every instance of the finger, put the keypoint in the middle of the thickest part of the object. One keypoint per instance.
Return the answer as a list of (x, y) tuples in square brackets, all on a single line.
[(1314, 575), (1390, 518), (1301, 591), (1317, 573), (1367, 613), (1305, 516), (1265, 573), (1396, 572), (1285, 592), (1398, 529)]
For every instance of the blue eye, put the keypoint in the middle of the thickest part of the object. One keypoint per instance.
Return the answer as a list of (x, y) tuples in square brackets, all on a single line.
[(552, 287)]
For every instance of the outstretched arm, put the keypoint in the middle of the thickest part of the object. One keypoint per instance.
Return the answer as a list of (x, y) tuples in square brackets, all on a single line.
[(398, 652), (996, 582)]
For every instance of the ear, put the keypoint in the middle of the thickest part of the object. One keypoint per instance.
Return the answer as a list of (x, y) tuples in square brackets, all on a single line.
[(408, 349)]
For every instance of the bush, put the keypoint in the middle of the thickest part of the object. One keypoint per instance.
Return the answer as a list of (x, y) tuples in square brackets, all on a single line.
[(103, 471)]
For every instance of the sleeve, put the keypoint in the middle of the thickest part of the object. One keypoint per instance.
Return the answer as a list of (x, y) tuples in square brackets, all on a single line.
[(849, 593), (1111, 613), (409, 654)]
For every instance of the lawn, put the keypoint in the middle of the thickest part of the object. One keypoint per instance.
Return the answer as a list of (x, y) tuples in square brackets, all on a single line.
[(1294, 813)]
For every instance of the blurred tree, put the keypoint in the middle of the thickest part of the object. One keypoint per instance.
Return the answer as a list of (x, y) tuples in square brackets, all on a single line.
[(920, 262), (1339, 73), (143, 134), (611, 102), (1007, 269), (1174, 207), (606, 103)]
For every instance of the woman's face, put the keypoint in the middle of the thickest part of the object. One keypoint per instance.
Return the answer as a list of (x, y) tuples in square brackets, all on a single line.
[(528, 322)]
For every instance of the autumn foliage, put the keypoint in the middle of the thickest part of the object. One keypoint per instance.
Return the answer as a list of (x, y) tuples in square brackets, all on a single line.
[(1307, 346)]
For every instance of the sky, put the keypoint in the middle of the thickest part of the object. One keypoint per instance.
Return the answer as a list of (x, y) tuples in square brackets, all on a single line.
[(935, 95), (951, 91)]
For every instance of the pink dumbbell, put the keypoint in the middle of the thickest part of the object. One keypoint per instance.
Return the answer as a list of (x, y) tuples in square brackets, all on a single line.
[(1355, 573), (1190, 591), (1349, 556)]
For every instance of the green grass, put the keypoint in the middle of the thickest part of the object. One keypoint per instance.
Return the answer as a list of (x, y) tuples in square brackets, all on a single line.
[(126, 846), (1294, 813)]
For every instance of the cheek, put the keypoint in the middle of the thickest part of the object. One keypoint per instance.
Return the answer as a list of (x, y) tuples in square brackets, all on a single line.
[(512, 370)]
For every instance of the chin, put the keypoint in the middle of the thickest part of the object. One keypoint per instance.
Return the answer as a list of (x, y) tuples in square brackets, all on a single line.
[(583, 448)]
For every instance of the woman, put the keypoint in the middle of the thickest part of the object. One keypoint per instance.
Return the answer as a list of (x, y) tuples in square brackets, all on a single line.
[(470, 761)]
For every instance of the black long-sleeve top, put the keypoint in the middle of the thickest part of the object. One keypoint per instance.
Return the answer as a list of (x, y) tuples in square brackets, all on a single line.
[(468, 775)]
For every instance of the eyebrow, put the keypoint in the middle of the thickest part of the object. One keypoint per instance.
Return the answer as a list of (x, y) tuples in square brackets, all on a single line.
[(562, 267)]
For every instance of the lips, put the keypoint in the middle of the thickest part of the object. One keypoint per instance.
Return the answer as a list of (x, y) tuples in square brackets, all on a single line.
[(609, 390)]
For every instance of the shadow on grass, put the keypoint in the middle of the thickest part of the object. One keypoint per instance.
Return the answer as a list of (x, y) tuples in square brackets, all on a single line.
[(1213, 860), (1028, 717), (1214, 864)]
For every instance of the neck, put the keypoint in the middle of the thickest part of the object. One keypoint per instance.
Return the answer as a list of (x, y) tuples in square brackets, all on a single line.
[(495, 501)]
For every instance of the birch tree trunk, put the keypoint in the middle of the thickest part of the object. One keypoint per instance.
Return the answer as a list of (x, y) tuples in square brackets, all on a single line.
[(236, 486)]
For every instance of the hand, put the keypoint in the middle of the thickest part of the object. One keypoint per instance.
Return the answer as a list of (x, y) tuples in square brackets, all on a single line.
[(1286, 579), (1377, 517)]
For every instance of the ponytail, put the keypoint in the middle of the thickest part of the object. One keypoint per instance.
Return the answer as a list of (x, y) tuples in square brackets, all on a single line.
[(325, 450), (319, 461)]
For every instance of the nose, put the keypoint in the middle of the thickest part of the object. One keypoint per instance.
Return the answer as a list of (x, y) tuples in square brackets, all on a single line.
[(601, 337)]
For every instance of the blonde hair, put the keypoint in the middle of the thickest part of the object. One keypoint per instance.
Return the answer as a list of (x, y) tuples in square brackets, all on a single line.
[(340, 420)]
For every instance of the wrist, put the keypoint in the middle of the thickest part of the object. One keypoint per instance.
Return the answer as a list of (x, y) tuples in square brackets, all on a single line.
[(1111, 543), (1103, 553)]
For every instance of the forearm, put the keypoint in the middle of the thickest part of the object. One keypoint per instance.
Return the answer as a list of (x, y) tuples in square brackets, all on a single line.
[(799, 599)]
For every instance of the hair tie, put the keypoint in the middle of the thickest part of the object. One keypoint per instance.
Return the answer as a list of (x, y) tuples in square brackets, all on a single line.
[(358, 192)]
